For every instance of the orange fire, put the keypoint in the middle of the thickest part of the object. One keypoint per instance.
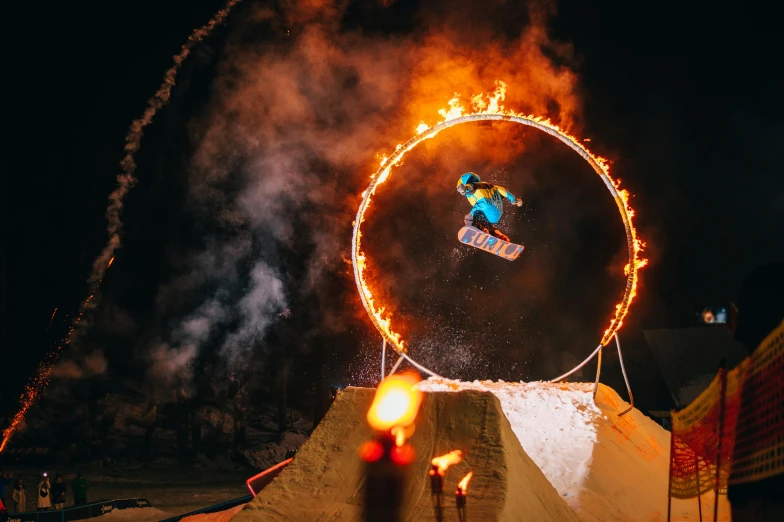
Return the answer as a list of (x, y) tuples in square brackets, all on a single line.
[(491, 104), (110, 262), (395, 405), (444, 461), (462, 486)]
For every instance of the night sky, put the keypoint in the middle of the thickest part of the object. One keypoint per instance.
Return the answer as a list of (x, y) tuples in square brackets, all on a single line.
[(684, 100)]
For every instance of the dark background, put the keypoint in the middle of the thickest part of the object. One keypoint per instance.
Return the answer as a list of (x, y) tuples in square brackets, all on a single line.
[(684, 99)]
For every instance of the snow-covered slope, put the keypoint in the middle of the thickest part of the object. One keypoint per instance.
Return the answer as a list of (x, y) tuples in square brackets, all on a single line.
[(606, 467)]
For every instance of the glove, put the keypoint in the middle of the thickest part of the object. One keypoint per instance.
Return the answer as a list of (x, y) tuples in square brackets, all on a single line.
[(468, 220), (518, 202)]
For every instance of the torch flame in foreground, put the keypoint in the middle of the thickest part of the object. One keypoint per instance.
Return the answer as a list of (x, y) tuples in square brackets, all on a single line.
[(489, 107), (462, 486), (444, 461), (396, 404)]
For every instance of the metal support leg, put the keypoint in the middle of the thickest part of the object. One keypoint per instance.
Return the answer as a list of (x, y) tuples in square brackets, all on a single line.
[(598, 373), (576, 368), (625, 378), (383, 358), (699, 490), (397, 364)]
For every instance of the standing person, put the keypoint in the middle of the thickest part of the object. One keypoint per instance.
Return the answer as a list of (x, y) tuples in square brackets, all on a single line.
[(19, 497), (80, 490), (4, 481), (44, 500), (58, 492)]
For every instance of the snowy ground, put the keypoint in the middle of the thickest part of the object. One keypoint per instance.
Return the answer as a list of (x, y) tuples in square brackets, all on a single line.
[(607, 468), (171, 489), (135, 515)]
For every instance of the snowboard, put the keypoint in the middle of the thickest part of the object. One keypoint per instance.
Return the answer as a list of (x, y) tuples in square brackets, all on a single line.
[(478, 239)]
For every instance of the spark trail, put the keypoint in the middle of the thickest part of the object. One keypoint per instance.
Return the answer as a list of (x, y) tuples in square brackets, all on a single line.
[(133, 140), (125, 181), (51, 320)]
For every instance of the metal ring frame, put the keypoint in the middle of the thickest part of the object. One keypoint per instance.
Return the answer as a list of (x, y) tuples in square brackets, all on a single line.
[(384, 171)]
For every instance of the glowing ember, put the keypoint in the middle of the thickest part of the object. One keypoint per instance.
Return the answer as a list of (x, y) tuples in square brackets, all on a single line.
[(396, 404), (51, 319), (35, 388), (110, 262), (444, 461), (489, 107), (462, 486)]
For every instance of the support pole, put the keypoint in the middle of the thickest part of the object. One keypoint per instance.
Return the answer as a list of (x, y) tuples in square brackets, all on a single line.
[(598, 373), (625, 378), (397, 364), (699, 496), (383, 358), (419, 367), (722, 403), (576, 368), (672, 455)]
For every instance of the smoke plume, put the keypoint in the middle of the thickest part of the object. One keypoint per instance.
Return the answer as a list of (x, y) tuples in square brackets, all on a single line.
[(295, 124), (289, 140)]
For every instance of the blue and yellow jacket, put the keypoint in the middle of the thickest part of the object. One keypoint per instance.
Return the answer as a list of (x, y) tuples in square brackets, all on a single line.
[(486, 197)]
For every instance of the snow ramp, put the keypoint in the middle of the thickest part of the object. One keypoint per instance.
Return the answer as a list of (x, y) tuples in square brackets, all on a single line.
[(606, 467), (325, 479)]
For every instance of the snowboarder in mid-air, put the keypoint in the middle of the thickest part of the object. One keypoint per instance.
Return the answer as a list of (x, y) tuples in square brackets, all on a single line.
[(487, 202)]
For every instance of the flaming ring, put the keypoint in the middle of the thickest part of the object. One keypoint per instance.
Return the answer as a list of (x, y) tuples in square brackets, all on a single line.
[(634, 245)]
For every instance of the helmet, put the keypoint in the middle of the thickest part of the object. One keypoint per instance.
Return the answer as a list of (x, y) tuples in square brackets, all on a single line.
[(468, 177), (465, 183)]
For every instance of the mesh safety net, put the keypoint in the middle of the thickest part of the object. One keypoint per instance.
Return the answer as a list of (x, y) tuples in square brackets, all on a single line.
[(735, 428)]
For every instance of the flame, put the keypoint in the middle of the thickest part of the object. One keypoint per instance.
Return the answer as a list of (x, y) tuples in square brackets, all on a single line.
[(444, 461), (396, 404), (454, 111), (462, 486), (484, 104), (110, 262), (399, 433)]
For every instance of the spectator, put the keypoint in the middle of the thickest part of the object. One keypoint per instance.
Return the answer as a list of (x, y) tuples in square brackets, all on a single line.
[(80, 490), (3, 511), (5, 480), (19, 497), (44, 500), (58, 492)]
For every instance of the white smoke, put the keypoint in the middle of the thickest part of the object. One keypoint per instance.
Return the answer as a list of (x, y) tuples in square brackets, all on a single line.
[(263, 301)]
